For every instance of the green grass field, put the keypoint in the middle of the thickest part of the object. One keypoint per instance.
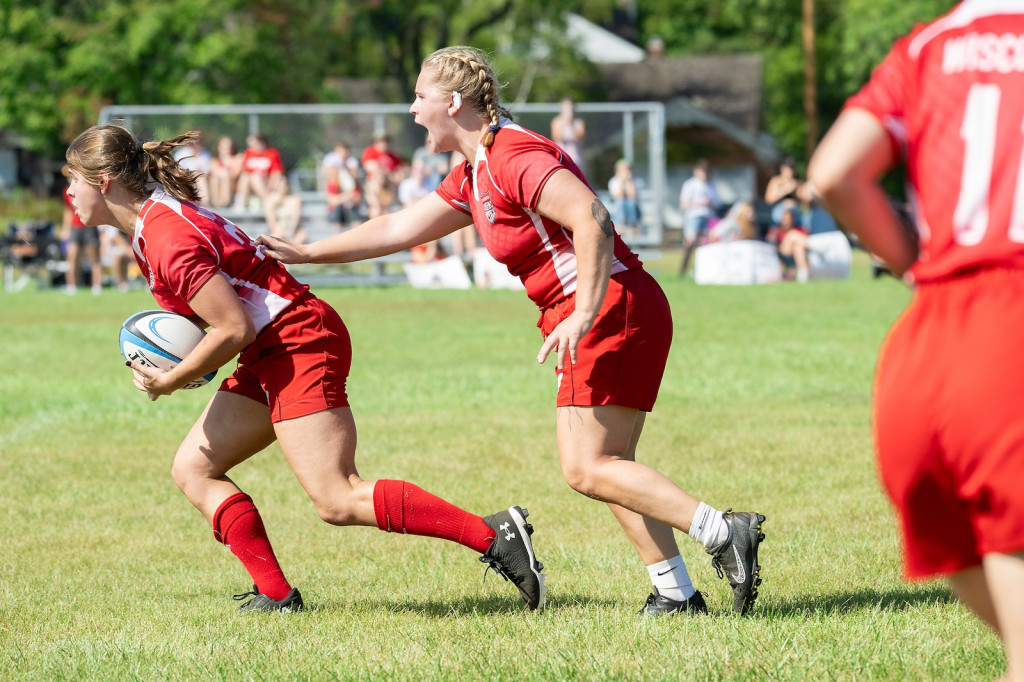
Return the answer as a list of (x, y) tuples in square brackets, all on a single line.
[(107, 572)]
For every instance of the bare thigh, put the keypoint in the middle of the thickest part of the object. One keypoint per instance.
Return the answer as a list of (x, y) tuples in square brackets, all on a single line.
[(791, 242), (231, 429), (321, 450)]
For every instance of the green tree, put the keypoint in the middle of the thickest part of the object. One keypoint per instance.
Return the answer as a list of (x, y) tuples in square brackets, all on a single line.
[(852, 36), (63, 61), (390, 38)]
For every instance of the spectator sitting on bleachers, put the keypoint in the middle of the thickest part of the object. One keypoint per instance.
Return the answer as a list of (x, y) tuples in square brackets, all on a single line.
[(784, 190), (341, 170), (283, 210), (383, 172), (791, 241), (225, 168), (262, 172), (739, 223)]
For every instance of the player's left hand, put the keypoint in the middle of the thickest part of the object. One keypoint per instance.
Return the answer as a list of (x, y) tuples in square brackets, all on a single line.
[(281, 249), (150, 379), (565, 338)]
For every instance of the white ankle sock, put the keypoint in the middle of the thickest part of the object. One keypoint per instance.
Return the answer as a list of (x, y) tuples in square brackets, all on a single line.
[(709, 527), (672, 579)]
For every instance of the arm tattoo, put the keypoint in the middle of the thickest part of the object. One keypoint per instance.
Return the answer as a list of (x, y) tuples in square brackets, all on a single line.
[(603, 218)]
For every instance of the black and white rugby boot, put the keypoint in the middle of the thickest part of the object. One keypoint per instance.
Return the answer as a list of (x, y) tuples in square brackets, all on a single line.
[(291, 603), (736, 560), (659, 605), (511, 555)]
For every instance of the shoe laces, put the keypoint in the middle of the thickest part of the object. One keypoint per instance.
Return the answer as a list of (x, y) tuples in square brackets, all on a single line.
[(494, 565), (239, 597), (716, 559)]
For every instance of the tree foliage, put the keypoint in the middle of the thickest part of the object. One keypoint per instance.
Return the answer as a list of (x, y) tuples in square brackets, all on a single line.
[(64, 60), (852, 36)]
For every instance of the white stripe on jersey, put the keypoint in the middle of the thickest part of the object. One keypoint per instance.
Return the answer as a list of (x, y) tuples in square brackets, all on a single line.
[(564, 262), (965, 13), (259, 303)]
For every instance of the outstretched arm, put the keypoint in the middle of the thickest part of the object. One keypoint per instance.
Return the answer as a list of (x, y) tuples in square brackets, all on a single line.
[(570, 203), (845, 171), (428, 219)]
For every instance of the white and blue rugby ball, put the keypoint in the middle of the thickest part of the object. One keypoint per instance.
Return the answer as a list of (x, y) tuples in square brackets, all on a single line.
[(157, 338)]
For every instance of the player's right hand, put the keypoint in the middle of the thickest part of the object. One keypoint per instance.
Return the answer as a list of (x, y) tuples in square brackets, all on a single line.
[(281, 249)]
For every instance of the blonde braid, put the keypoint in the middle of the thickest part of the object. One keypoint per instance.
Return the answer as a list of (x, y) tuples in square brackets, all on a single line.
[(465, 70), (493, 111)]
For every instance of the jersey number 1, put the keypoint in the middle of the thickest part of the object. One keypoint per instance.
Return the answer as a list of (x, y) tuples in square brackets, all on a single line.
[(978, 131)]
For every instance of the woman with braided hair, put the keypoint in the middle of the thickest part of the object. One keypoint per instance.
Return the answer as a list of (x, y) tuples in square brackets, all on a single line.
[(290, 381), (605, 318)]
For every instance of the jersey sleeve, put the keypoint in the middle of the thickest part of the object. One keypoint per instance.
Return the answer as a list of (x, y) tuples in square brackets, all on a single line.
[(886, 94), (526, 167), (453, 189), (182, 258)]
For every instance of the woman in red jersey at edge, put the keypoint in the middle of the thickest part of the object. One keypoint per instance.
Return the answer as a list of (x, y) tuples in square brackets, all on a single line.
[(948, 100), (605, 318), (289, 383)]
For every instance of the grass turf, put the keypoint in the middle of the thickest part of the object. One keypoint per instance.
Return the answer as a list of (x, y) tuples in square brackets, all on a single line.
[(106, 571)]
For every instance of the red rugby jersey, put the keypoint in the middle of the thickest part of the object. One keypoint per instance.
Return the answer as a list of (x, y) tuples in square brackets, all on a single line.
[(262, 163), (179, 246), (951, 96), (501, 190)]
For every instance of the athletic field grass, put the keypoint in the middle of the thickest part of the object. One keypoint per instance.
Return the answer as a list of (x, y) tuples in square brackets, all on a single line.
[(107, 572)]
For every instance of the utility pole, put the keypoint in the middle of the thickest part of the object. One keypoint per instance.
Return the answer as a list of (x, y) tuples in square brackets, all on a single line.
[(810, 78)]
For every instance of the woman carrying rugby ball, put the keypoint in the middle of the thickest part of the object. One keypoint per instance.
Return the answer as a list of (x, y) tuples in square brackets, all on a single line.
[(289, 384)]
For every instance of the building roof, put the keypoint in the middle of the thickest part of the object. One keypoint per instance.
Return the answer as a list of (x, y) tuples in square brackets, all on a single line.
[(728, 86), (600, 45)]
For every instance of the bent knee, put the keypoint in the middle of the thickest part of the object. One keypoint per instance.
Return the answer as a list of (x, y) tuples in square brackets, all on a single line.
[(184, 474), (337, 512), (583, 480)]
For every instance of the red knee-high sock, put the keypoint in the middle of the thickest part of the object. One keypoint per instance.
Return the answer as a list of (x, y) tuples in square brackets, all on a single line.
[(238, 525), (405, 508)]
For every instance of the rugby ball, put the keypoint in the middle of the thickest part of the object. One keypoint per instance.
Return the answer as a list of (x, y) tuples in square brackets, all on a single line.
[(157, 338)]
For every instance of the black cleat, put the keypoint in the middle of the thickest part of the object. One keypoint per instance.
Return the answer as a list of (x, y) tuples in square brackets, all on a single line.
[(737, 558), (511, 555), (658, 605), (261, 602)]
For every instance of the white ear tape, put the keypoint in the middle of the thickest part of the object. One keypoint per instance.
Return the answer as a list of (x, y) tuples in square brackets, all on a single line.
[(457, 99)]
